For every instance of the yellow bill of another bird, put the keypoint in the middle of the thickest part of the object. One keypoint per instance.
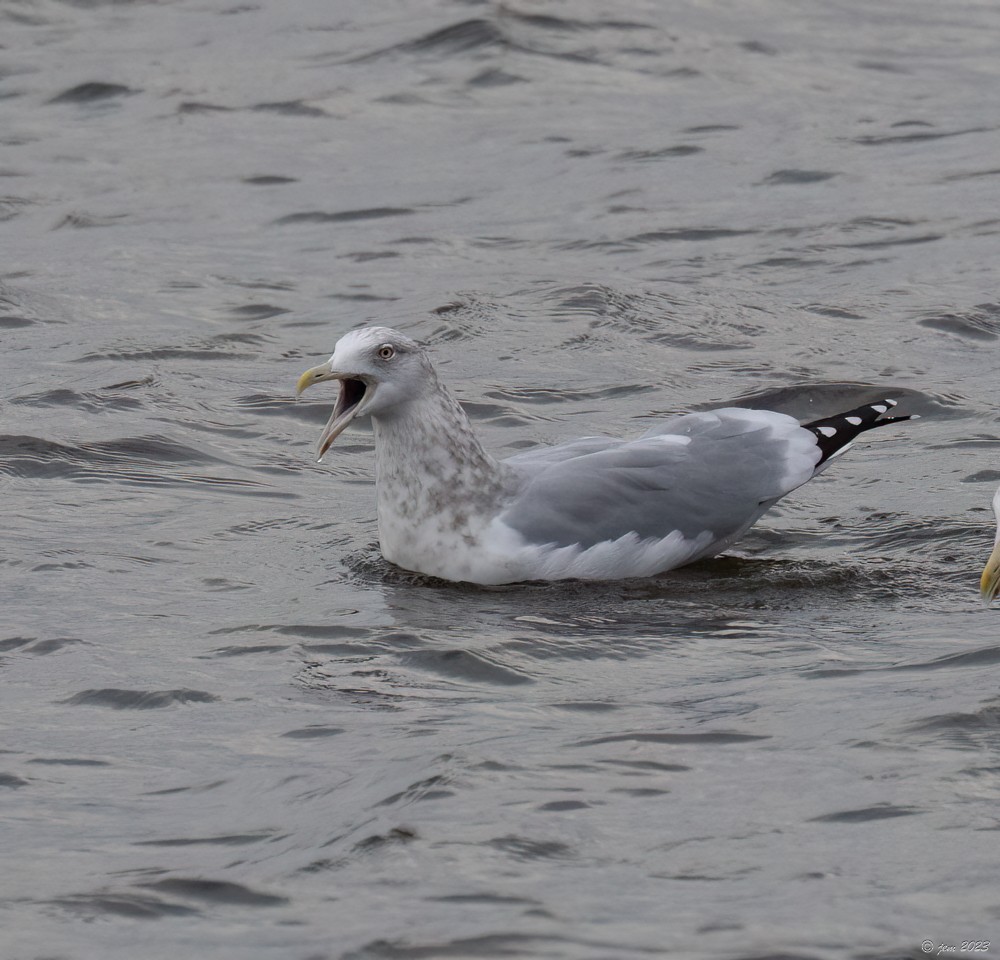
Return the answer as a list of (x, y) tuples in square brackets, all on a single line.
[(989, 584)]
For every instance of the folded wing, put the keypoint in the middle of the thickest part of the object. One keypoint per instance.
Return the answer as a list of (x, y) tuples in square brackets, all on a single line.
[(714, 472)]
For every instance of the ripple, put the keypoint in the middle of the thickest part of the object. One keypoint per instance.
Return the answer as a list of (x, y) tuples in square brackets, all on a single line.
[(555, 395), (494, 77), (379, 841), (198, 106), (313, 733), (344, 216), (882, 811), (151, 448), (982, 476), (494, 414), (270, 406), (224, 840), (647, 766), (37, 647), (797, 177), (364, 256), (413, 674), (429, 788), (980, 324), (973, 175), (149, 461), (663, 153), (256, 311), (711, 736), (524, 848), (247, 650), (982, 657), (964, 731), (269, 180), (587, 706), (194, 352), (131, 905), (91, 401), (488, 946), (456, 38), (119, 699), (895, 242), (688, 235), (69, 762), (219, 892), (879, 140), (487, 898), (11, 207), (92, 92), (563, 806), (291, 108), (464, 665), (333, 631), (87, 221)]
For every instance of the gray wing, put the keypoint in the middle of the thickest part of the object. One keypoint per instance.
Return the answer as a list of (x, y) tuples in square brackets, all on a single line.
[(532, 462), (716, 471)]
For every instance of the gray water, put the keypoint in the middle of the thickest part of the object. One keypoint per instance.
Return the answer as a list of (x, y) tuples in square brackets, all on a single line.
[(232, 731)]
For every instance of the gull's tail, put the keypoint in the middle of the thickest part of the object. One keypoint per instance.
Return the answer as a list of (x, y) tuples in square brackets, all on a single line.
[(835, 434)]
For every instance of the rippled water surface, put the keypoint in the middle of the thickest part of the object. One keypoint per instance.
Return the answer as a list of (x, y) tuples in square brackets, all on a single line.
[(234, 732)]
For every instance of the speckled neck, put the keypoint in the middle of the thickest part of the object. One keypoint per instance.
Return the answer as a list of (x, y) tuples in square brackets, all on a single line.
[(433, 478)]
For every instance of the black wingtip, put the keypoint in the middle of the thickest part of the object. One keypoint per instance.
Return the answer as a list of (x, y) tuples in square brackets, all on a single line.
[(833, 434)]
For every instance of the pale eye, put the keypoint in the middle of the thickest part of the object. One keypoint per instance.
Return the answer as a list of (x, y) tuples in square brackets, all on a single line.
[(387, 351)]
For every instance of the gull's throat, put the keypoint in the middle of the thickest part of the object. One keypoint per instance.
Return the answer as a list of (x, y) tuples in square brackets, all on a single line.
[(353, 392)]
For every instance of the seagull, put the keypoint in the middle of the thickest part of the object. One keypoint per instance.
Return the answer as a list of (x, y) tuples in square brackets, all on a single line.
[(989, 585), (596, 508)]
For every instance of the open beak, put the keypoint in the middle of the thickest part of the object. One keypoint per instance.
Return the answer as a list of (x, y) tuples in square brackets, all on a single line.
[(353, 392), (989, 585)]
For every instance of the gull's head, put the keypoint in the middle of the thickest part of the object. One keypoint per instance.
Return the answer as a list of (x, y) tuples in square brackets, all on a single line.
[(989, 585), (378, 368)]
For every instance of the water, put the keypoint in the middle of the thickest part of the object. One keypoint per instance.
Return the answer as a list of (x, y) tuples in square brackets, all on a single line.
[(234, 732)]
